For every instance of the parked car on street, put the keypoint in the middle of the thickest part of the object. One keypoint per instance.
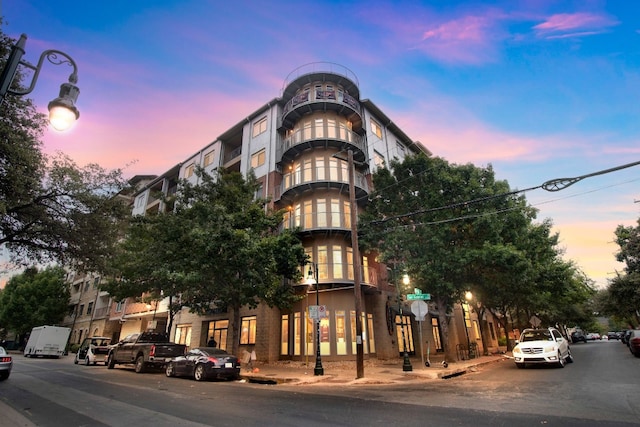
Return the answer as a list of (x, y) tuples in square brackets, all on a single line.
[(205, 363), (578, 336), (6, 363), (592, 336), (93, 350), (542, 346), (144, 350), (625, 337), (612, 335), (634, 342)]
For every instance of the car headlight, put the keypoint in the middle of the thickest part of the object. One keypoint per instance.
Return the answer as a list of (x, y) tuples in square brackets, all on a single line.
[(517, 350), (549, 349)]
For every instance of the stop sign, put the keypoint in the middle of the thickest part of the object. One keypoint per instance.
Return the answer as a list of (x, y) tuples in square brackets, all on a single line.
[(420, 309)]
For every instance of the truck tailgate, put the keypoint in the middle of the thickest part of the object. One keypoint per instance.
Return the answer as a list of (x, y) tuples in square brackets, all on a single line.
[(169, 350)]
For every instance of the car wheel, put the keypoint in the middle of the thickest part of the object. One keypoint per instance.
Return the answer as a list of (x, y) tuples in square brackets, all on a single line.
[(111, 363), (569, 357), (520, 365), (170, 370), (87, 361), (75, 359), (561, 361), (140, 368), (199, 374)]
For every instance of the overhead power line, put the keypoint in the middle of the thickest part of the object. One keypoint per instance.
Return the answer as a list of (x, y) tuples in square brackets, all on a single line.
[(551, 185)]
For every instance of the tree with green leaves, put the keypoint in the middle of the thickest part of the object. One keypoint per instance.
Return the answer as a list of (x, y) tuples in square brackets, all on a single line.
[(431, 218), (624, 289), (51, 209), (221, 249), (34, 298)]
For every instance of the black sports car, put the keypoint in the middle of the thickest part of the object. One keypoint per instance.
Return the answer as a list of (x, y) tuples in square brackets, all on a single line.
[(205, 363)]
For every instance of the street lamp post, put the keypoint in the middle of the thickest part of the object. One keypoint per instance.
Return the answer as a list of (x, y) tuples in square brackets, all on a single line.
[(406, 362), (62, 110), (467, 296), (311, 278)]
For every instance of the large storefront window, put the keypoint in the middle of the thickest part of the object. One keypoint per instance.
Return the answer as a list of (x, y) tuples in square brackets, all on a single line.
[(218, 329), (183, 335), (284, 334), (404, 323), (248, 330)]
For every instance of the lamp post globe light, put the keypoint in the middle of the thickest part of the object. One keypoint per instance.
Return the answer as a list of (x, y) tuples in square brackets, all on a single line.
[(313, 277), (62, 110)]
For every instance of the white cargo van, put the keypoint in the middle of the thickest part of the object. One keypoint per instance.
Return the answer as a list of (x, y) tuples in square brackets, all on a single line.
[(47, 341)]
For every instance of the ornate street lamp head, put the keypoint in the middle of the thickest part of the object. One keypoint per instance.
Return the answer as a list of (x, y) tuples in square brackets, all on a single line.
[(62, 110)]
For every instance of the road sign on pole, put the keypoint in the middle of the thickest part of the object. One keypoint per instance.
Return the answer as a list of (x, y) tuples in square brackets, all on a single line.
[(421, 296), (317, 312)]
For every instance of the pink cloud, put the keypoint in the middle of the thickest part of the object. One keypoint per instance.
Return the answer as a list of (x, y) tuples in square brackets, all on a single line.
[(155, 132), (470, 39), (564, 25)]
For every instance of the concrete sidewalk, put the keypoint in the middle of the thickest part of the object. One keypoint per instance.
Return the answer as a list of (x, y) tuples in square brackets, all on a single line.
[(375, 371)]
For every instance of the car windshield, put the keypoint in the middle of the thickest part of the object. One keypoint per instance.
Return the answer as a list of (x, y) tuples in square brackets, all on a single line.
[(538, 335)]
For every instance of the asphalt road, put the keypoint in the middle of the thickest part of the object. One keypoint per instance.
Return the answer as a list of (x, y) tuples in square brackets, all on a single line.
[(601, 388)]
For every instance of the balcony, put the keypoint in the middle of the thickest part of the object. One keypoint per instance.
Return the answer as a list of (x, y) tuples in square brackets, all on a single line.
[(322, 100), (305, 179), (100, 313), (325, 135), (342, 274)]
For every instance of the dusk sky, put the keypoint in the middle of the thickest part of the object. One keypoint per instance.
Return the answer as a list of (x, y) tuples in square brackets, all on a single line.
[(538, 89)]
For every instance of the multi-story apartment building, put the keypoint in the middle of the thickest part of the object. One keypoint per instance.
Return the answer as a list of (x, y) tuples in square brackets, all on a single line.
[(297, 145)]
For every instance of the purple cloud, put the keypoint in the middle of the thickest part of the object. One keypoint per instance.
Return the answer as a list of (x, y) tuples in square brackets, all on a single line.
[(579, 24)]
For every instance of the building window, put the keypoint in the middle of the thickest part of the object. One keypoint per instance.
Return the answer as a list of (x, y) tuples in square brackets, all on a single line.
[(248, 330), (321, 212), (119, 306), (402, 151), (369, 331), (140, 200), (183, 334), (378, 159), (218, 330), (81, 309), (337, 263), (260, 127), (208, 158), (89, 308), (257, 159), (86, 285), (376, 129), (284, 334), (308, 215), (188, 171), (259, 193), (96, 282), (320, 169)]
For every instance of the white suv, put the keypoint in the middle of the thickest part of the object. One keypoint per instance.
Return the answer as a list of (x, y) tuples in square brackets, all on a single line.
[(542, 346)]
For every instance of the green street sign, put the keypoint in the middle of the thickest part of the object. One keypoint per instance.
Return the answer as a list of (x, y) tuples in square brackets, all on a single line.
[(420, 296)]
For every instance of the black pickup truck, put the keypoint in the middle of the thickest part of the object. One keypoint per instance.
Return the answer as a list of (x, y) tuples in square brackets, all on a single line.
[(144, 350)]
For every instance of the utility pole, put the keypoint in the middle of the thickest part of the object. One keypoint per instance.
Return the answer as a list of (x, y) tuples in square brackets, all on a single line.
[(356, 268)]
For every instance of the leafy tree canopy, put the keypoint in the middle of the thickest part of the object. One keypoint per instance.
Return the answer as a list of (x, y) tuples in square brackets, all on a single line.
[(220, 249), (34, 298)]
